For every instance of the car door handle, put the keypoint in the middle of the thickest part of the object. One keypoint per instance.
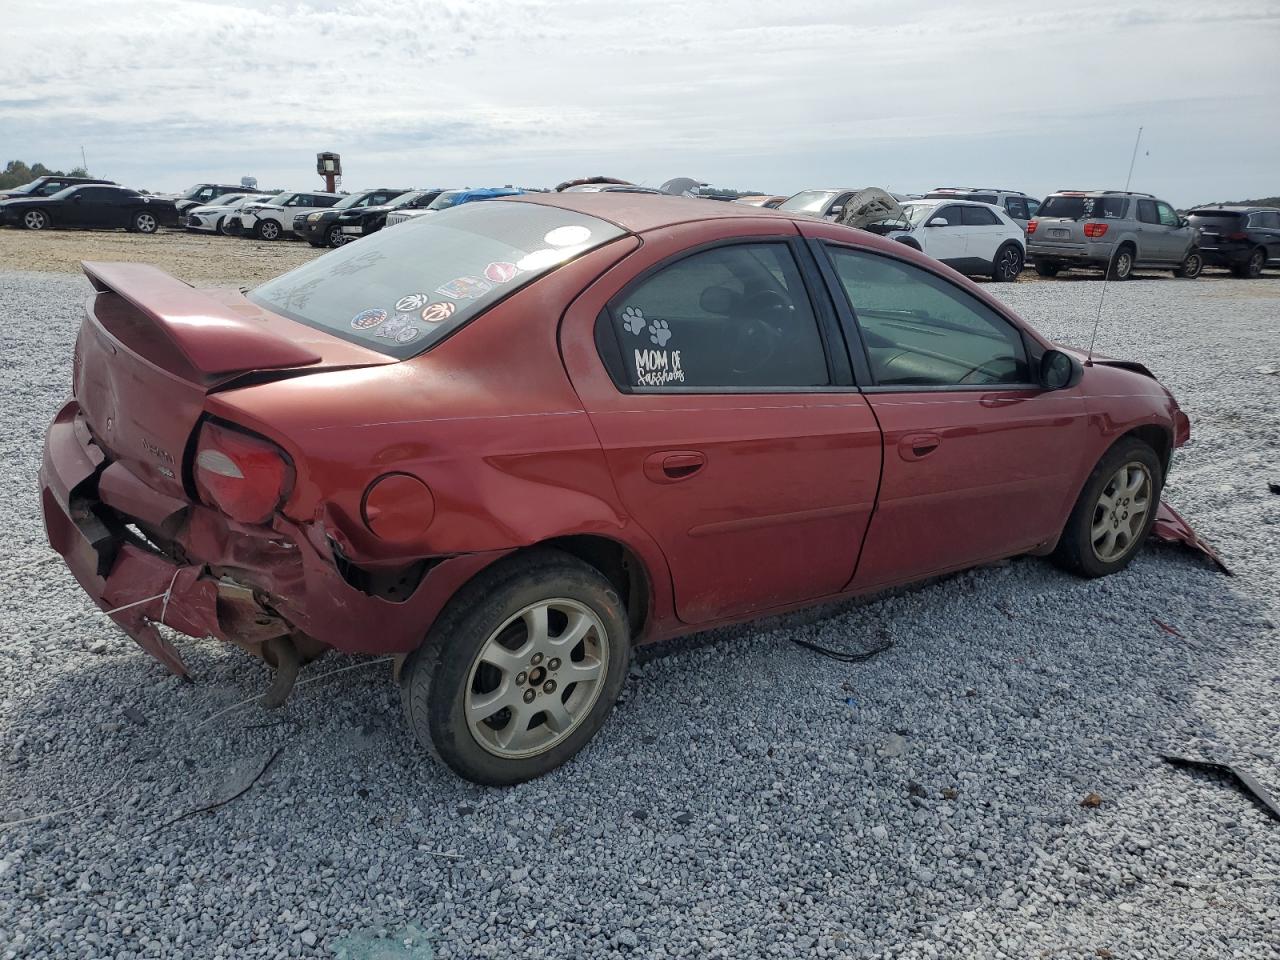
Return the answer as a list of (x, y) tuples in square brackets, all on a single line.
[(917, 446), (671, 466)]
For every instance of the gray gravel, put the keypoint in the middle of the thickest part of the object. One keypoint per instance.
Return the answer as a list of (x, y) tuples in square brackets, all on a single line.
[(748, 798)]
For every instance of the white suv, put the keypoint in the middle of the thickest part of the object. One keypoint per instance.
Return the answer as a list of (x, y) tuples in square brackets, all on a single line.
[(1015, 203), (973, 238), (272, 219)]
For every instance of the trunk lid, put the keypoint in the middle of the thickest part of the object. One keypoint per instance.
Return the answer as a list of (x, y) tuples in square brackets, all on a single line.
[(152, 348)]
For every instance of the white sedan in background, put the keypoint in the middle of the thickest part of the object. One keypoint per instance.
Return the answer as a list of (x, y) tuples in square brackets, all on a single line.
[(978, 239), (211, 217)]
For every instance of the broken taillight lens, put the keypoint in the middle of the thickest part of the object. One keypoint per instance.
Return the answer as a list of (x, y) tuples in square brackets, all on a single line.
[(1096, 230), (244, 476)]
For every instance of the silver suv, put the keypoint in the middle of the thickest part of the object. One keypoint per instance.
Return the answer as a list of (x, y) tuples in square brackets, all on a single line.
[(1112, 230)]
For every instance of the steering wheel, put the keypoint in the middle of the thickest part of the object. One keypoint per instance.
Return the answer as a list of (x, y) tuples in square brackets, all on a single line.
[(757, 339)]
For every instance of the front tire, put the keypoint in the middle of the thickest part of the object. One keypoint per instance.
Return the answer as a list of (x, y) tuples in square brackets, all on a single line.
[(520, 670), (335, 237), (35, 220), (1008, 264), (266, 230), (1047, 270), (144, 222), (1121, 265), (1114, 512), (1190, 267)]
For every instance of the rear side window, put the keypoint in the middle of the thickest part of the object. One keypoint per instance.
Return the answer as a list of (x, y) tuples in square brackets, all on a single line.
[(400, 291), (1147, 211), (733, 317), (1017, 208), (978, 217), (920, 330)]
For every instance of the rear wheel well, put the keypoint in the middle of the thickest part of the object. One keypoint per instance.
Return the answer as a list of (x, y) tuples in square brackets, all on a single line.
[(619, 565)]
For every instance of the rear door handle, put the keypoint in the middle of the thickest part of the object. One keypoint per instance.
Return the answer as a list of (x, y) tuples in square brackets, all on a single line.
[(917, 446), (671, 466)]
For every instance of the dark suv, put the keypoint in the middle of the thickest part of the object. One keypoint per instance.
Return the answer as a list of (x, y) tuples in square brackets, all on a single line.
[(48, 186), (1242, 239), (1114, 230)]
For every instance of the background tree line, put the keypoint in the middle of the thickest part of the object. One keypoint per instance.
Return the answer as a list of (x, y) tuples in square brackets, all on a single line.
[(16, 173)]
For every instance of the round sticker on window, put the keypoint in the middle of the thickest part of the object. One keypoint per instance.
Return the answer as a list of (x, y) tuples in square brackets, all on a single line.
[(541, 259), (411, 302), (569, 236), (436, 312), (366, 319), (500, 271)]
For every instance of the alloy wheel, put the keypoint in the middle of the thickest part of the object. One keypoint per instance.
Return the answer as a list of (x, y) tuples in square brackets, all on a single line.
[(270, 230), (145, 223), (1124, 265), (35, 220), (1010, 263), (536, 678), (1121, 511), (1256, 262)]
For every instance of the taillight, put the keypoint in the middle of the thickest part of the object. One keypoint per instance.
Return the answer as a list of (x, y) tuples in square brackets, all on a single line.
[(1031, 226), (244, 476), (1237, 236), (1095, 230)]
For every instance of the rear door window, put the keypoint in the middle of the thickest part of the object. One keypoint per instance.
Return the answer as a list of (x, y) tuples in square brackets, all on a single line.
[(1017, 208), (736, 317), (919, 330), (978, 217), (1147, 212)]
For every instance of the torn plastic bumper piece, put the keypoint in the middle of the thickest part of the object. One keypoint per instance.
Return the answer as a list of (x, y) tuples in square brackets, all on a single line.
[(1170, 527), (1245, 779)]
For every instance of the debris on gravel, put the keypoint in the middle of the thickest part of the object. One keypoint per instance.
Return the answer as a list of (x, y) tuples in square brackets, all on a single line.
[(740, 803)]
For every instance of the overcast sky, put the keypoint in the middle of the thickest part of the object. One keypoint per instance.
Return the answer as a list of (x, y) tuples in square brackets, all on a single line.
[(773, 95)]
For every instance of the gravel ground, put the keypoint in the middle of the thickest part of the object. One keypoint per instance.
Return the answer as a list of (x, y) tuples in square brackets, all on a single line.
[(748, 798)]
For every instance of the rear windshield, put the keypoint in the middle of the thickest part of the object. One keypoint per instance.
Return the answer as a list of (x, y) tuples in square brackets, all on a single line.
[(808, 201), (400, 291), (1225, 217), (955, 195), (1078, 208)]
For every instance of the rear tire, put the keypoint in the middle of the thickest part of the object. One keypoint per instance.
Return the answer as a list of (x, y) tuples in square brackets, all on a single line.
[(266, 230), (1105, 529), (1252, 268), (1047, 269), (492, 695), (1190, 267), (1008, 264), (1121, 264)]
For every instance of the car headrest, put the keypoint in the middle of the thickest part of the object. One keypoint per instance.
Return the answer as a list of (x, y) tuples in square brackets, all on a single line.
[(721, 300)]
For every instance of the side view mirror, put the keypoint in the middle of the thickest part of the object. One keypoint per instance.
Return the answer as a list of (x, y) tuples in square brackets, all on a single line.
[(77, 198), (835, 213), (1184, 222), (1059, 370), (938, 222)]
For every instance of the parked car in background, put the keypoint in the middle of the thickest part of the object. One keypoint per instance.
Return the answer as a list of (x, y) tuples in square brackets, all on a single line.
[(48, 186), (1243, 239), (1018, 205), (978, 239), (345, 219), (612, 188), (210, 217), (1114, 231), (825, 204), (451, 198), (92, 206), (512, 443), (762, 200), (273, 219), (202, 193)]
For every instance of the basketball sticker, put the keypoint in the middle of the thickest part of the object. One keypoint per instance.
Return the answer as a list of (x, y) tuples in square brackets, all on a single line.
[(412, 302), (436, 312)]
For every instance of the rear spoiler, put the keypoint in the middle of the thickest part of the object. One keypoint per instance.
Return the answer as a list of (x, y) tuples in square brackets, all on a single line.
[(214, 338)]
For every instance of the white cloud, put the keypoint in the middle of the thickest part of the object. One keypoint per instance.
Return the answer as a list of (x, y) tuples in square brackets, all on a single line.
[(771, 95)]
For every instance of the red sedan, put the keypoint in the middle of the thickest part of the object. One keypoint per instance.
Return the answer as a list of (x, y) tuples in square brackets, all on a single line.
[(510, 441)]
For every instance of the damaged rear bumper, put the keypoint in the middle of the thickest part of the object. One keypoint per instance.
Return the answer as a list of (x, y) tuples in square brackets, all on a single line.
[(147, 558)]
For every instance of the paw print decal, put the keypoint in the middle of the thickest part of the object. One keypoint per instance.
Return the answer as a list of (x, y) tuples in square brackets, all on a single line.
[(633, 320), (659, 332)]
